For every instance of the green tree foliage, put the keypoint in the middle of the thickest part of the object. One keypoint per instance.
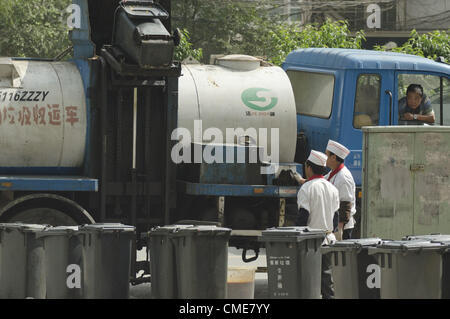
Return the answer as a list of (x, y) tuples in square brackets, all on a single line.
[(37, 28), (332, 34), (221, 26), (185, 49), (430, 45), (227, 27), (33, 28)]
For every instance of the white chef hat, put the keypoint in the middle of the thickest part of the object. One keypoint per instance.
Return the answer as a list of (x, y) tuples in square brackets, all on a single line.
[(318, 158), (337, 149)]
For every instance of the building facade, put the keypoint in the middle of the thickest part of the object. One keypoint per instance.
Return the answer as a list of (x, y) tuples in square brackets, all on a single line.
[(383, 21)]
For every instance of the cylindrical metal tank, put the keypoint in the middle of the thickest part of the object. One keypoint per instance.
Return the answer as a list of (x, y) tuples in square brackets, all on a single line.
[(238, 92), (43, 119)]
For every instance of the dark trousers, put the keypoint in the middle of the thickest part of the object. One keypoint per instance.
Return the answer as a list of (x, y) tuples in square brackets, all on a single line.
[(327, 284), (347, 234)]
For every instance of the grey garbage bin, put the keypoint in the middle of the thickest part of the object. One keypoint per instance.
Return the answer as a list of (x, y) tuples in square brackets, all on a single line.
[(22, 272), (106, 255), (62, 262), (409, 269), (202, 262), (445, 240), (352, 267), (431, 237), (139, 32), (162, 261), (294, 262), (445, 268)]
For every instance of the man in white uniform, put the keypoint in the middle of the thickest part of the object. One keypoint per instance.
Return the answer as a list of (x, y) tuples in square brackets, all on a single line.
[(342, 178), (318, 201)]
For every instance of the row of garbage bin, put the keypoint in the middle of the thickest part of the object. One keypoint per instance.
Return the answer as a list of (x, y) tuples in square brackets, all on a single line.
[(40, 261), (191, 262), (187, 261), (416, 267)]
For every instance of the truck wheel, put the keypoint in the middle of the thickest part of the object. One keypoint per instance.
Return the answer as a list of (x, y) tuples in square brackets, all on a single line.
[(43, 216), (50, 209)]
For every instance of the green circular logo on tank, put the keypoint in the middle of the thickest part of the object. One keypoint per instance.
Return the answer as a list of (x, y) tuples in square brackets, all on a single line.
[(250, 96)]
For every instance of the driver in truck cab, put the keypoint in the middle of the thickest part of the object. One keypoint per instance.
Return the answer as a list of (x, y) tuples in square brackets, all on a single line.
[(415, 108)]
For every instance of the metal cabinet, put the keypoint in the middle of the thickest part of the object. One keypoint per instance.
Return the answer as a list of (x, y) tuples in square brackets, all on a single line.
[(406, 181)]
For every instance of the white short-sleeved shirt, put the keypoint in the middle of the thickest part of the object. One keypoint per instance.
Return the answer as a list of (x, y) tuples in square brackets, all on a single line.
[(321, 199), (345, 184)]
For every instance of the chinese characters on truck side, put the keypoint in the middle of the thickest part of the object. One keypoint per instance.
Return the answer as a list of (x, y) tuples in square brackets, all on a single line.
[(43, 113)]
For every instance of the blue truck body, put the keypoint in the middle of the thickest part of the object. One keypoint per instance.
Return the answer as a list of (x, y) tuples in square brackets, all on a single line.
[(346, 65)]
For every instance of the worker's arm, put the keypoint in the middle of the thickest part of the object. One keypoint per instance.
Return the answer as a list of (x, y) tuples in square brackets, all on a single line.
[(344, 213), (302, 217), (299, 179), (336, 222), (429, 118)]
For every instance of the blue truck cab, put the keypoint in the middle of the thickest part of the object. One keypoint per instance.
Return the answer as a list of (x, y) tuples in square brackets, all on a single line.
[(338, 91)]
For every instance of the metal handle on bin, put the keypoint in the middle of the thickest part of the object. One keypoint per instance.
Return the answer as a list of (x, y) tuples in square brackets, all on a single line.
[(403, 248), (248, 260), (359, 248), (373, 251)]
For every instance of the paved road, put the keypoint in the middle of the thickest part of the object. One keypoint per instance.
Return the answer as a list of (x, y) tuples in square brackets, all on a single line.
[(143, 291)]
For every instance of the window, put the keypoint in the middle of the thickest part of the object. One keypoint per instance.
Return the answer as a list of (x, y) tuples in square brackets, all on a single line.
[(313, 92), (431, 88), (436, 103), (367, 101)]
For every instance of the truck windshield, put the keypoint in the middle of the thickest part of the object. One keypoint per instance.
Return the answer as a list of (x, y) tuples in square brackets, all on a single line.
[(313, 92)]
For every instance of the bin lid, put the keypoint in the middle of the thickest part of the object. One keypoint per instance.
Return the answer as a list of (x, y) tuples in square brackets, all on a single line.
[(165, 230), (203, 230), (445, 242), (60, 230), (107, 227), (305, 232), (363, 242), (409, 244), (23, 227), (432, 237), (144, 9)]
